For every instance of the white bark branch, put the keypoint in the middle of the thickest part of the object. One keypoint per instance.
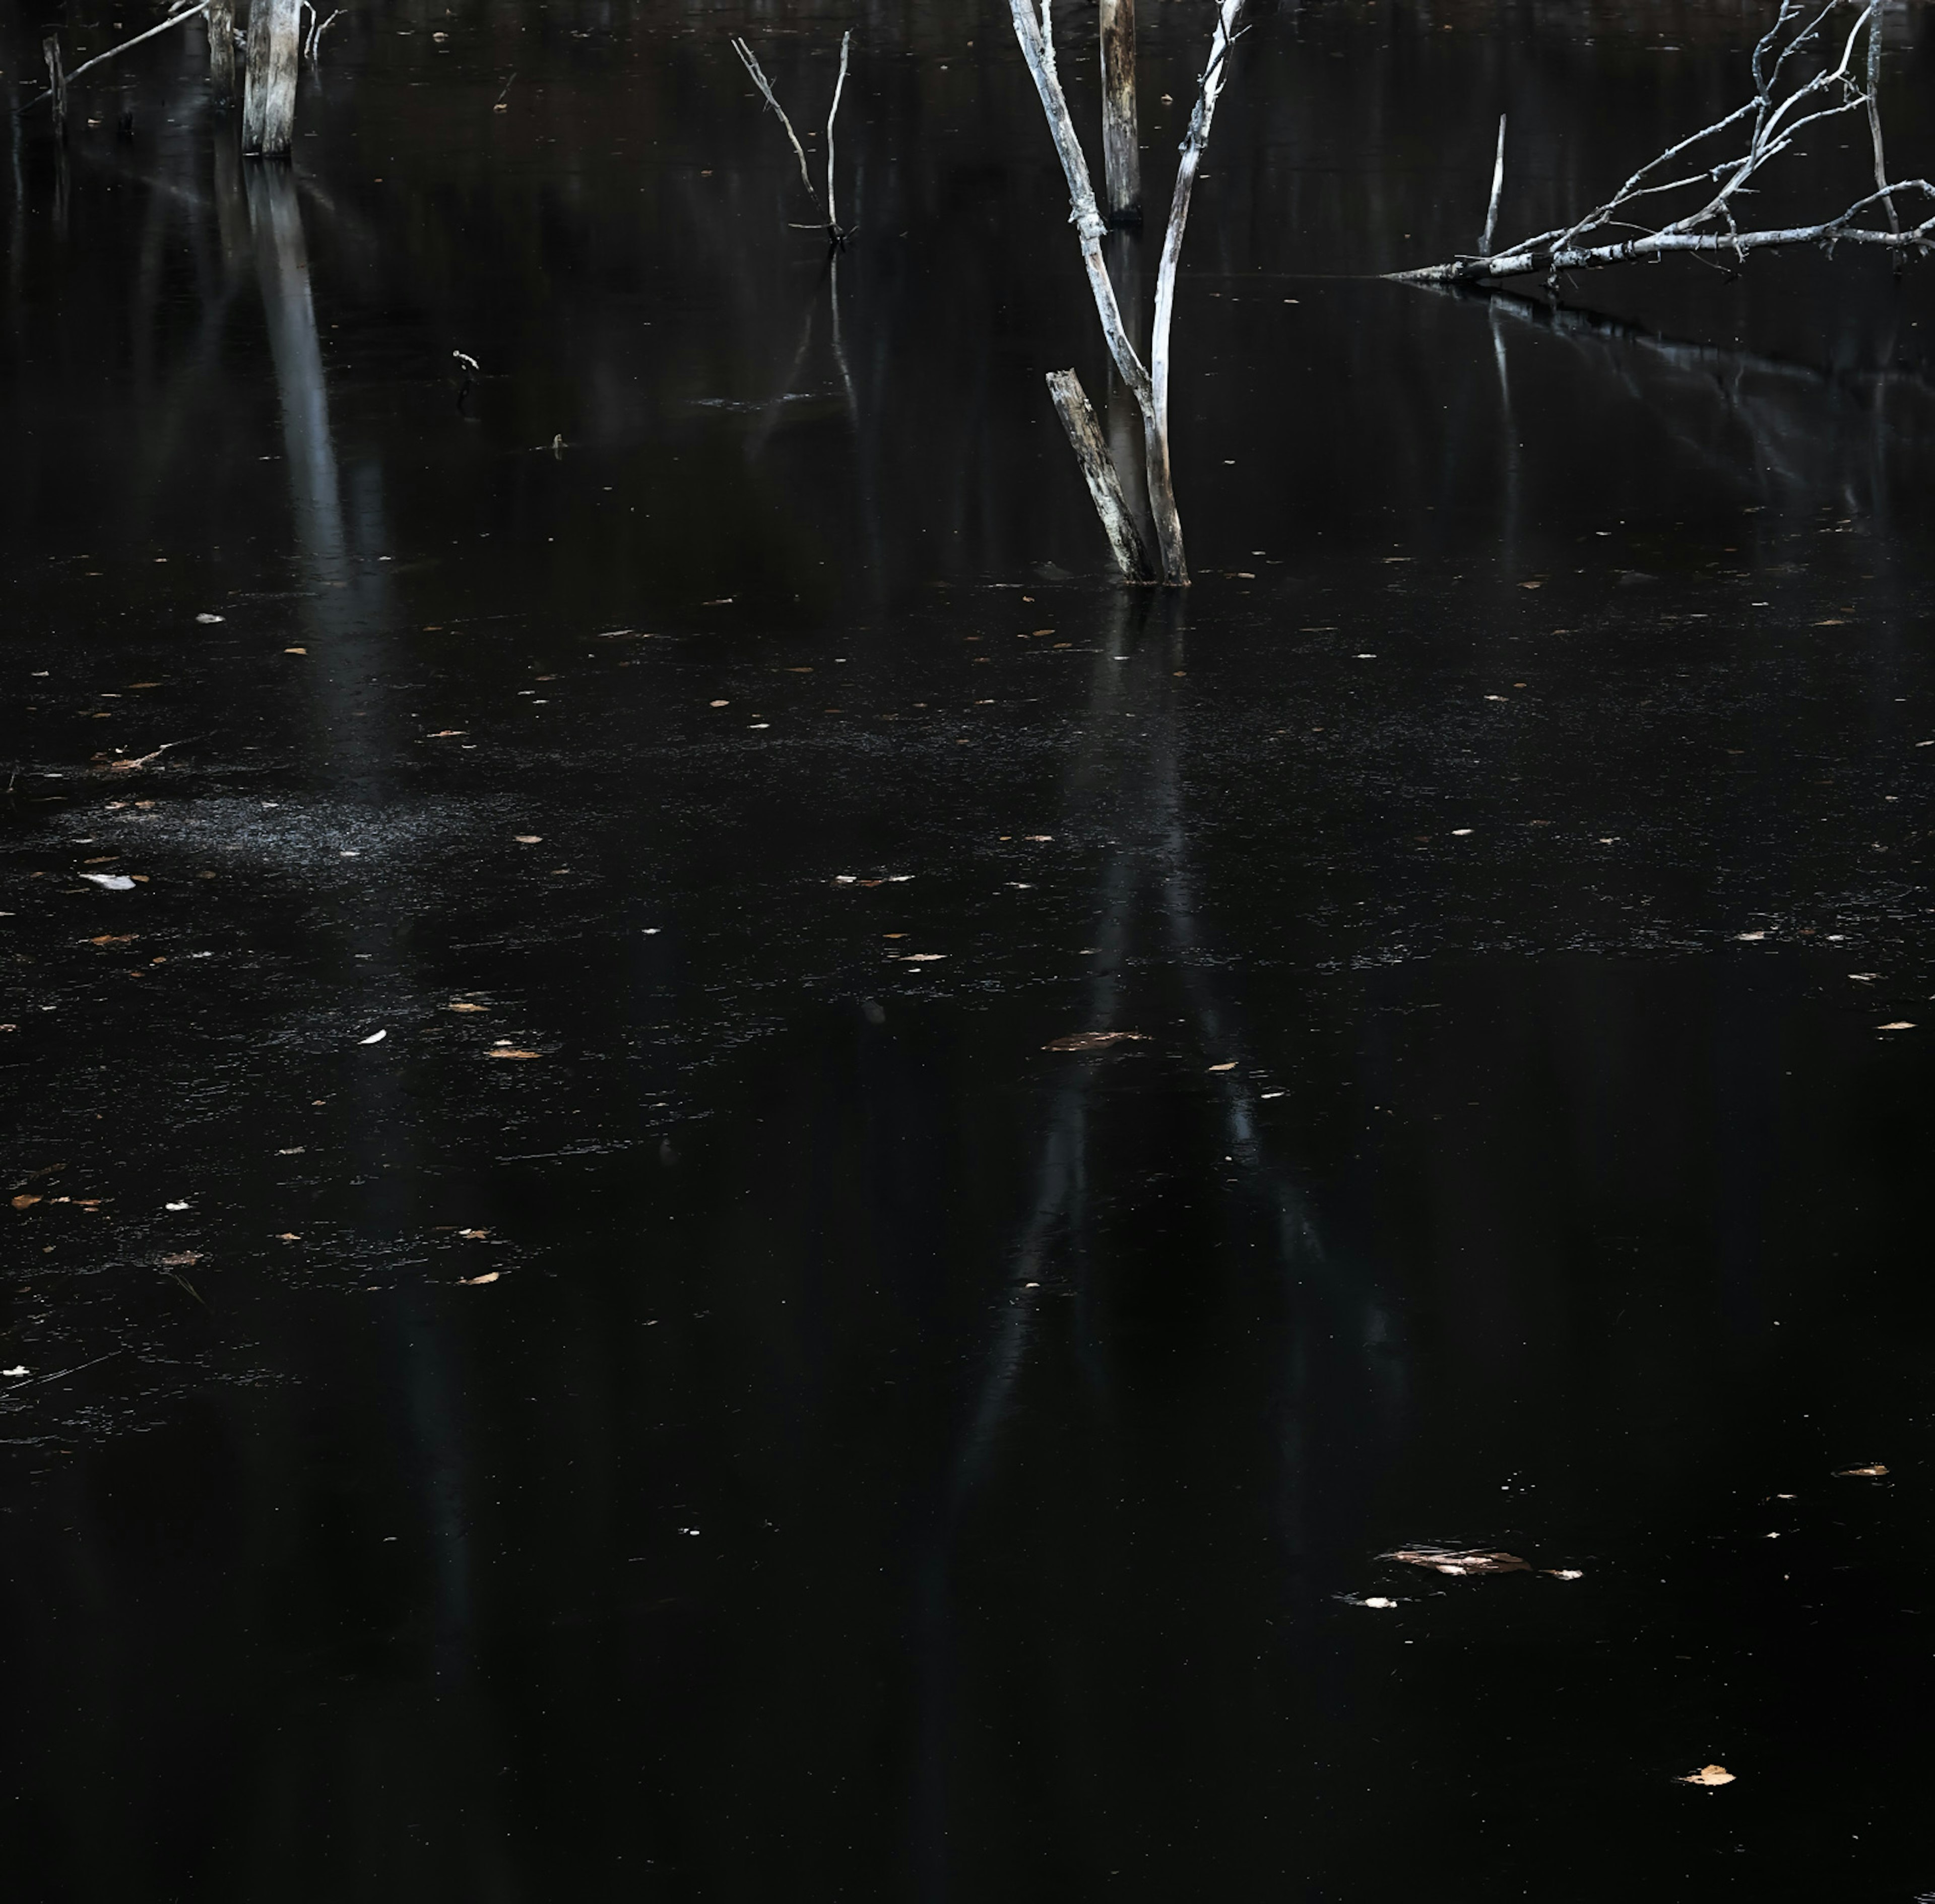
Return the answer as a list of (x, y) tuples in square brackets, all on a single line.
[(1788, 98), (752, 66), (833, 113), (1498, 192), (835, 235)]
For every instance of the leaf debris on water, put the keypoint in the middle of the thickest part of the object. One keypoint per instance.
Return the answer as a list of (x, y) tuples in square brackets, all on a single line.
[(1709, 1775), (1875, 1471), (1459, 1560), (489, 1276), (506, 1051), (1094, 1041), (375, 1038)]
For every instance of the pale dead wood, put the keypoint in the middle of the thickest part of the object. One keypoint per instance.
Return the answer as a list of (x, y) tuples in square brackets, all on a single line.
[(1098, 469), (321, 25), (1797, 84), (1498, 192), (1874, 115), (833, 230), (269, 82), (836, 234), (1149, 383), (1162, 494), (760, 80)]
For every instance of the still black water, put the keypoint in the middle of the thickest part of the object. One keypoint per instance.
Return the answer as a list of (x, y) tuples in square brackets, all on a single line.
[(783, 1431)]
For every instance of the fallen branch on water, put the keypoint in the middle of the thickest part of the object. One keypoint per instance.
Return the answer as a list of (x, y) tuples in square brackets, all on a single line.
[(1797, 84), (193, 11), (836, 234)]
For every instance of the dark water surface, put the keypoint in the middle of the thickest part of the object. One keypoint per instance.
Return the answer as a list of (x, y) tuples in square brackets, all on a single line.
[(896, 1459)]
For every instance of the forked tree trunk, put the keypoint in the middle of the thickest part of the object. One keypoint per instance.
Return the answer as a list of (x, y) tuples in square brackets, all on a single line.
[(269, 91), (1149, 382), (221, 50), (1121, 158)]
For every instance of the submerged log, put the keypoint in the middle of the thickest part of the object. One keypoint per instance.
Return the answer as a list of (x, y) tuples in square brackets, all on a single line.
[(269, 89)]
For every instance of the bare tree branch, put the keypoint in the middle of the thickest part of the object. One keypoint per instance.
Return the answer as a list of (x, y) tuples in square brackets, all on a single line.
[(836, 235)]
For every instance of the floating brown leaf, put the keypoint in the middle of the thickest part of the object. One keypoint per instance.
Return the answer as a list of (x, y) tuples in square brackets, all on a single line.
[(181, 1259), (1709, 1775), (460, 1004), (505, 1051), (1877, 1470), (489, 1276), (23, 1202), (1458, 1559), (1095, 1041)]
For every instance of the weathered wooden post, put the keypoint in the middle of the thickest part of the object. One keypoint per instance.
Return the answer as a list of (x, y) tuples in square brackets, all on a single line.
[(269, 87), (221, 50), (50, 51), (1121, 159)]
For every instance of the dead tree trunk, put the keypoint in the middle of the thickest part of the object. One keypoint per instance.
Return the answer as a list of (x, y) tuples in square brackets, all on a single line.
[(50, 51), (221, 50), (269, 89), (1121, 157), (1149, 382)]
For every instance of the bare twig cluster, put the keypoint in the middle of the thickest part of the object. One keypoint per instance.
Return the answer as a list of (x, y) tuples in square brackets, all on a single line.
[(836, 234), (1149, 383), (1805, 72)]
